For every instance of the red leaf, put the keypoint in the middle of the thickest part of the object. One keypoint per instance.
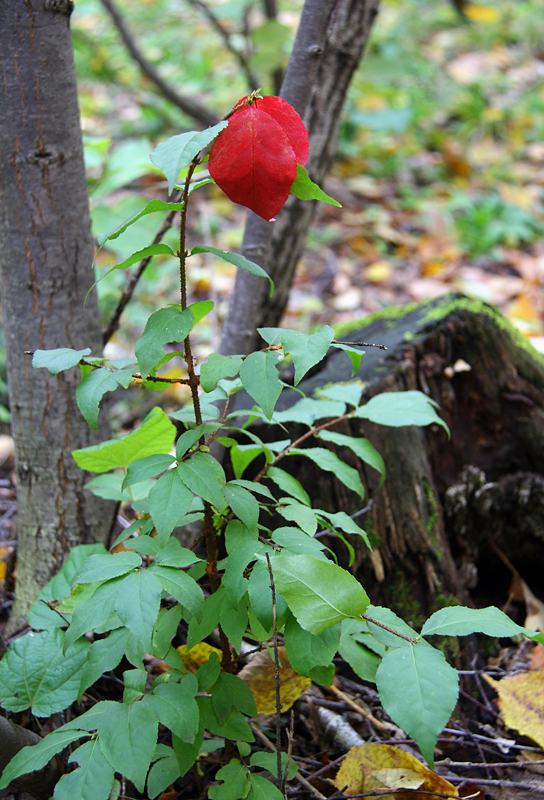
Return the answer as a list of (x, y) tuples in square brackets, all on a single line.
[(254, 159)]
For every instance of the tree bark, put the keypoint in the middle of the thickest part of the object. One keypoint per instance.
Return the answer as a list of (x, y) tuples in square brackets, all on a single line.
[(36, 785), (46, 254), (446, 504), (329, 45)]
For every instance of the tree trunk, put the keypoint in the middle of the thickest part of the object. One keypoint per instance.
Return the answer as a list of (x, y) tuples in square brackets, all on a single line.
[(46, 254), (324, 58), (447, 505)]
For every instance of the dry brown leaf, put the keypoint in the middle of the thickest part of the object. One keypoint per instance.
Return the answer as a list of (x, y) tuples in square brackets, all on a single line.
[(371, 767), (259, 676), (521, 701)]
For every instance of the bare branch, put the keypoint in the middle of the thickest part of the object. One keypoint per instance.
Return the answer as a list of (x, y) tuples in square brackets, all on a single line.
[(227, 39), (191, 107)]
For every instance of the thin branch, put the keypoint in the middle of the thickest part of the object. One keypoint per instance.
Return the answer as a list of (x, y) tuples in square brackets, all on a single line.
[(186, 104), (361, 344), (411, 639), (227, 39)]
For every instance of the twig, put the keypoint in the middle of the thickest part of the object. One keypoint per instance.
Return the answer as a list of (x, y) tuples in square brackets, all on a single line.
[(302, 780), (383, 726), (186, 104), (290, 741), (411, 639), (361, 344), (113, 324), (227, 39), (276, 673)]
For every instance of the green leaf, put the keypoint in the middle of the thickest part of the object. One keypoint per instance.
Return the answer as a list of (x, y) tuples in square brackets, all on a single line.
[(200, 309), (244, 505), (178, 151), (181, 586), (230, 691), (187, 754), (92, 388), (35, 757), (148, 467), (234, 727), (56, 361), (401, 408), (288, 484), (36, 674), (362, 661), (134, 680), (176, 708), (105, 567), (304, 517), (151, 207), (93, 779), (155, 435), (235, 786), (234, 621), (128, 735), (208, 673), (418, 690), (353, 353), (269, 761), (163, 773), (164, 631), (146, 252), (174, 555), (263, 789), (329, 462), (323, 675), (188, 438), (319, 594), (164, 326), (218, 367), (345, 523), (260, 596), (209, 612), (261, 380), (461, 621), (137, 604), (307, 349), (241, 545), (96, 613), (59, 587), (169, 501), (204, 476), (306, 650), (299, 543), (305, 189), (307, 411), (242, 456), (238, 260), (104, 655), (349, 393), (361, 447)]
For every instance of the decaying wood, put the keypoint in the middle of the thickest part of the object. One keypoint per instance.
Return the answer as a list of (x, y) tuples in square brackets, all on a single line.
[(443, 499)]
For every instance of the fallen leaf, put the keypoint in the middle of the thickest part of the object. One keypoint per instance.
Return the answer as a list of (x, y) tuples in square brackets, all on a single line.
[(197, 655), (259, 676), (521, 701), (481, 13), (382, 766)]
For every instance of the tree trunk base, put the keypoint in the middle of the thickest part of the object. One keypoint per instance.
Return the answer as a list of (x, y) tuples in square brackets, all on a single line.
[(447, 505)]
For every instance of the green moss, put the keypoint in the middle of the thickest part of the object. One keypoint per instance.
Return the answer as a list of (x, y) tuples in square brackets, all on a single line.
[(433, 519), (392, 314), (403, 601)]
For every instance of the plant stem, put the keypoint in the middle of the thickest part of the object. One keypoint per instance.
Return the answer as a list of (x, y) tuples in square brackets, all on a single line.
[(411, 639), (276, 673)]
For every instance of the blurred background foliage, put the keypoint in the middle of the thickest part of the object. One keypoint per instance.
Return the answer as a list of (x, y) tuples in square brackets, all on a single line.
[(440, 164)]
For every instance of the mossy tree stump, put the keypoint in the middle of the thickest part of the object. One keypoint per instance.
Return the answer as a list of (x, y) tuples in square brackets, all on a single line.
[(446, 504)]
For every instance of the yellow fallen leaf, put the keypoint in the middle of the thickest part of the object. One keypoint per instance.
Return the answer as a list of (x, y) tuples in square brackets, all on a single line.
[(197, 655), (378, 271), (481, 13), (521, 701), (371, 767), (259, 676)]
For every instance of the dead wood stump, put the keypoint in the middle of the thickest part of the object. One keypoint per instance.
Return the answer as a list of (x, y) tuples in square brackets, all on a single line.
[(446, 504)]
